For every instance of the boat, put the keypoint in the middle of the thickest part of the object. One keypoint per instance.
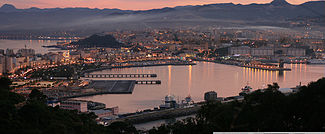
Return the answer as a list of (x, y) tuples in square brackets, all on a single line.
[(169, 102), (187, 102), (246, 90)]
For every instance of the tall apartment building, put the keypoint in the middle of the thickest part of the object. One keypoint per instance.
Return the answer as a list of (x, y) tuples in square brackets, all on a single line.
[(10, 52), (26, 52)]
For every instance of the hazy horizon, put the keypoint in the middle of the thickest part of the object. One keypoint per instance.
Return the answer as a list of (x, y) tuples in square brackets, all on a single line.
[(127, 4)]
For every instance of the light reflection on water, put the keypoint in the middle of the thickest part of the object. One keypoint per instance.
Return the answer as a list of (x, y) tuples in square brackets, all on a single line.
[(182, 81)]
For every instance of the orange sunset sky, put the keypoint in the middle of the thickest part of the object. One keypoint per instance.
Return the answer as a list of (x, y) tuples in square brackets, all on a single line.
[(126, 4)]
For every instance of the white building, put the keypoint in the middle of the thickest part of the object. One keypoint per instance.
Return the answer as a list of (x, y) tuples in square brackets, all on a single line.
[(81, 106)]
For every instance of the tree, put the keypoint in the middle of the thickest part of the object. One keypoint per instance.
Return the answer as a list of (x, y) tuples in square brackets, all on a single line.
[(5, 84), (122, 127), (38, 96), (274, 87), (36, 117)]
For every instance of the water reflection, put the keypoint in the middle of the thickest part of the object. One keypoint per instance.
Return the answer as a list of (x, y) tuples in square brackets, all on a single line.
[(169, 79), (182, 81), (257, 76), (281, 76), (189, 79)]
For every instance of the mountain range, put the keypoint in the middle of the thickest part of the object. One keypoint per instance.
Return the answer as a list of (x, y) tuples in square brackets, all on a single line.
[(276, 13)]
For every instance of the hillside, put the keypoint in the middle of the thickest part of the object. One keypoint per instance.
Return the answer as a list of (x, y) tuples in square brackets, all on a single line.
[(106, 41)]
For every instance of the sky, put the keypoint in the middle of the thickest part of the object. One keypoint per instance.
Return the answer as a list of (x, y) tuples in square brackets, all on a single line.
[(126, 4)]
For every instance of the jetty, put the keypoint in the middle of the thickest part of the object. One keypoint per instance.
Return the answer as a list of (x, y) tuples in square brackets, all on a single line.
[(266, 67), (255, 65), (120, 75), (148, 82), (113, 86)]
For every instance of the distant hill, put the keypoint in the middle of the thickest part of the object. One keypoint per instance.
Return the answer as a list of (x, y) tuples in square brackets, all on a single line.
[(7, 8), (276, 13), (280, 3), (106, 41)]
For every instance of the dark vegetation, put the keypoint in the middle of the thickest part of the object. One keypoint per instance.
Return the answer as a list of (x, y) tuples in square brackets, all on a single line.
[(263, 110), (105, 41), (32, 116)]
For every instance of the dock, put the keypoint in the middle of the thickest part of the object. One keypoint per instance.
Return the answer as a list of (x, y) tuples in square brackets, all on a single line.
[(113, 86), (148, 82), (254, 66), (99, 87), (266, 68), (120, 75)]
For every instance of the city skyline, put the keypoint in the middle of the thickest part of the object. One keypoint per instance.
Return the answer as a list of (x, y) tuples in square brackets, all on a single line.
[(128, 4)]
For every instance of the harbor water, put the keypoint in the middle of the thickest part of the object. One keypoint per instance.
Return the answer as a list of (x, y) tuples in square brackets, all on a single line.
[(194, 81)]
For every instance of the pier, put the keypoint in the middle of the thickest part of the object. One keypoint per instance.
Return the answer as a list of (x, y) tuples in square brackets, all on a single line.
[(267, 68), (148, 82), (109, 87), (255, 65), (120, 75), (113, 86)]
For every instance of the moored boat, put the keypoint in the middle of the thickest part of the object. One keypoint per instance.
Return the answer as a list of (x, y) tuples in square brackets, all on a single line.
[(245, 90)]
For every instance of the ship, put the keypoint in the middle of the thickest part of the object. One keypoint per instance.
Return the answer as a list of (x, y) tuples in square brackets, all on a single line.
[(169, 102)]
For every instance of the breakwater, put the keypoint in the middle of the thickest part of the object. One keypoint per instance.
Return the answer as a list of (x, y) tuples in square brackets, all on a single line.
[(120, 75), (268, 67)]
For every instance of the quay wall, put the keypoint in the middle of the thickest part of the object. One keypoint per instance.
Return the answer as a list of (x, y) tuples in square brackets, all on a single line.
[(240, 65), (158, 115)]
